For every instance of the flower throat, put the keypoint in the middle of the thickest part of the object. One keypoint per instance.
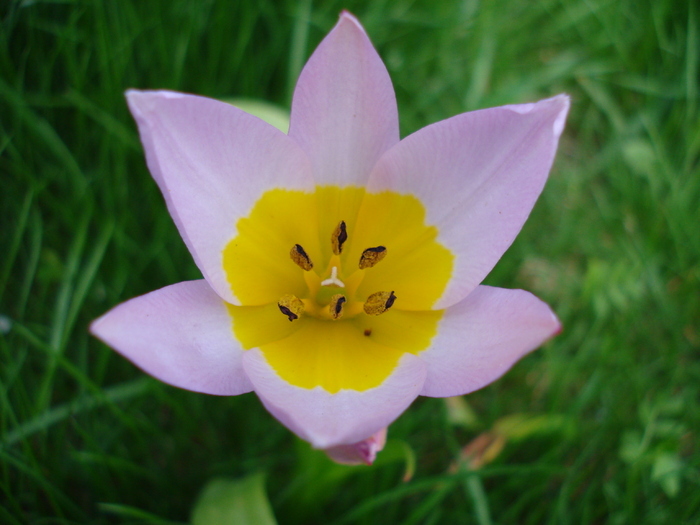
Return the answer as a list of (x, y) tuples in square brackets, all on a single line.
[(335, 285), (326, 300)]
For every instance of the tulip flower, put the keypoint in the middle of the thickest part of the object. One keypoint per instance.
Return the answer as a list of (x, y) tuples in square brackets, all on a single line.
[(342, 265)]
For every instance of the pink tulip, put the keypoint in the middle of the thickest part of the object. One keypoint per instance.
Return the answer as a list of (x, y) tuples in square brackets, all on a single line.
[(342, 265)]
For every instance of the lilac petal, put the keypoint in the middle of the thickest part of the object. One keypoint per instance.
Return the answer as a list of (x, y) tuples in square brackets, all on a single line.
[(478, 175), (364, 451), (481, 337), (181, 334), (328, 420), (344, 111), (212, 162)]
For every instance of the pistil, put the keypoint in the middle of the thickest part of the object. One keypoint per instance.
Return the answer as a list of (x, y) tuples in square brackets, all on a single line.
[(333, 279)]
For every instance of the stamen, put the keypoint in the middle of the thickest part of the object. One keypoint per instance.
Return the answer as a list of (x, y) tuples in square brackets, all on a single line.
[(336, 306), (379, 302), (338, 237), (291, 306), (372, 256), (333, 279), (301, 258)]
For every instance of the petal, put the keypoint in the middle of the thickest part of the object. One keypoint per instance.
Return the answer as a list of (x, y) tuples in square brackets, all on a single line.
[(417, 267), (180, 334), (344, 111), (478, 175), (359, 353), (328, 420), (364, 451), (212, 162), (332, 355), (481, 337)]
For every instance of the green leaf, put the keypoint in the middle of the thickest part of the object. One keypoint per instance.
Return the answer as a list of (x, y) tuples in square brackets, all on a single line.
[(234, 502), (398, 450), (126, 511), (273, 115), (633, 446), (460, 413), (667, 473), (639, 155), (516, 427)]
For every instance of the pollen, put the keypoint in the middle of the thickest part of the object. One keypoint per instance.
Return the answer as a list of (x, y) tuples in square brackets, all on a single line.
[(301, 258), (336, 306), (291, 306), (338, 238), (379, 302), (371, 256)]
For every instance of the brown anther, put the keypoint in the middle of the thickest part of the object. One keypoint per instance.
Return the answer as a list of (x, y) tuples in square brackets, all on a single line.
[(301, 258), (368, 332), (336, 306), (291, 306), (372, 256), (338, 238), (379, 302)]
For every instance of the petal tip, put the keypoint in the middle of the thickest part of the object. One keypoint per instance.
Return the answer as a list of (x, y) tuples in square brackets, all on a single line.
[(141, 100), (137, 95), (93, 329), (363, 452), (557, 107), (347, 16), (98, 328), (564, 103), (559, 329)]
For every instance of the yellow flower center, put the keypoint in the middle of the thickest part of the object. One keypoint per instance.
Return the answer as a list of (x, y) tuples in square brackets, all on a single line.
[(336, 285)]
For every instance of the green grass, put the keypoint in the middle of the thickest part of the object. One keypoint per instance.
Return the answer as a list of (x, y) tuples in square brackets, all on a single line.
[(612, 245)]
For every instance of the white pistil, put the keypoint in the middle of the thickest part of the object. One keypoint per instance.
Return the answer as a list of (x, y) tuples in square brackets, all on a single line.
[(333, 279)]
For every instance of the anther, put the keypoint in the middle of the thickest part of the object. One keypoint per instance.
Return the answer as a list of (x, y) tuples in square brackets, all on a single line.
[(301, 258), (372, 256), (338, 237), (379, 302), (336, 306), (291, 306)]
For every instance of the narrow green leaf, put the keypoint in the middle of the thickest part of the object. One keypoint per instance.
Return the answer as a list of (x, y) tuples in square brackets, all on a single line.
[(50, 417), (127, 511)]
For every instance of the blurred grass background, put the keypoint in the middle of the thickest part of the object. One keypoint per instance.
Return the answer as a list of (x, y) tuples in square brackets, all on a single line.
[(608, 411)]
